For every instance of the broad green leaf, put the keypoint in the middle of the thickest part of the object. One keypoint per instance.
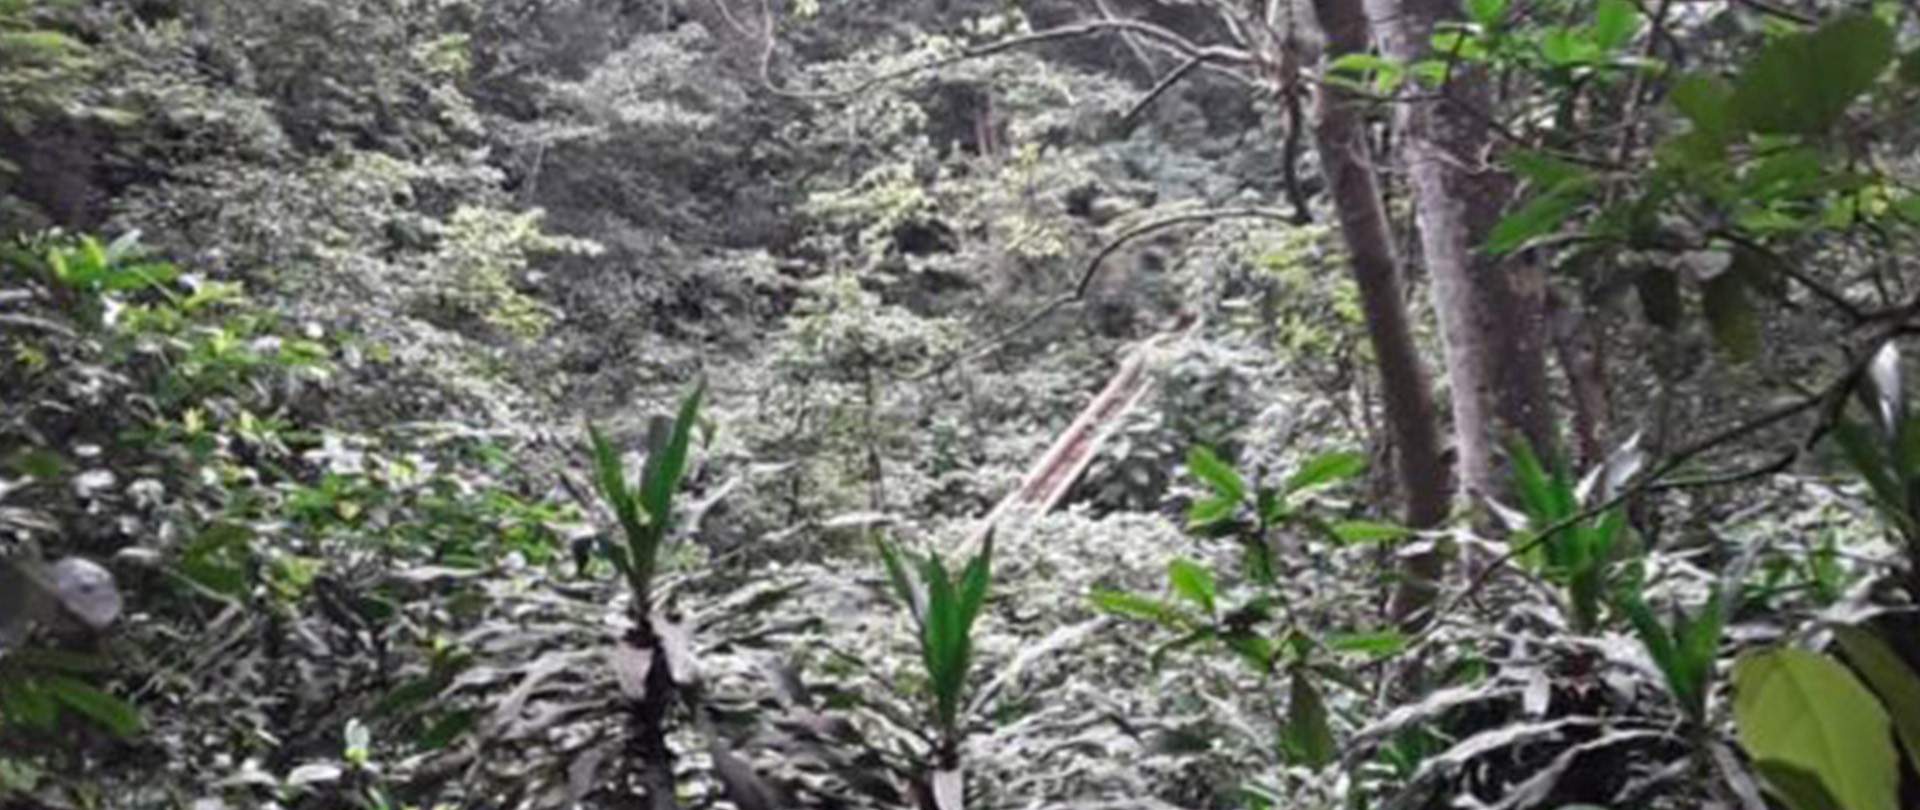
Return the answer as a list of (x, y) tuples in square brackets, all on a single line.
[(1193, 581), (1309, 733), (1560, 46), (1802, 83), (1891, 678), (1807, 712), (1614, 23), (1327, 468), (1797, 788), (1208, 467), (110, 712)]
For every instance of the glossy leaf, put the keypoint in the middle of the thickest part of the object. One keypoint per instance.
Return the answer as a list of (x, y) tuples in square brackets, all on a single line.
[(1802, 83), (1891, 679), (1208, 467), (1192, 581), (1807, 712), (1614, 23), (1326, 468)]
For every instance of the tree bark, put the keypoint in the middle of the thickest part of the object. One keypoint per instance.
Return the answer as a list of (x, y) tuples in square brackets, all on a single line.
[(1492, 313), (1406, 393)]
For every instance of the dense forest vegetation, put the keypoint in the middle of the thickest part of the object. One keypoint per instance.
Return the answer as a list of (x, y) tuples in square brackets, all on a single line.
[(943, 404)]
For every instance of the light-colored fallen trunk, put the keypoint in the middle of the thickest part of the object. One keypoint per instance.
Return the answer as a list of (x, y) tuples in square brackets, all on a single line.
[(1047, 482)]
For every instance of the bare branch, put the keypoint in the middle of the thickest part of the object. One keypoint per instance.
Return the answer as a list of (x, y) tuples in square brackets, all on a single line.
[(1213, 55), (1091, 271), (1160, 88)]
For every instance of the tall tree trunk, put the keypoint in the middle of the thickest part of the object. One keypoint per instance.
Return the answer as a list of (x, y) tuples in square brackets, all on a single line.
[(1492, 313), (1346, 161)]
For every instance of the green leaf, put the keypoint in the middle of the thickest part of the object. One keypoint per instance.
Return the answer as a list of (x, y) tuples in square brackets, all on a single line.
[(1802, 83), (1327, 468), (1863, 453), (1486, 12), (1544, 170), (1730, 316), (73, 663), (112, 713), (1193, 581), (1383, 643), (943, 641), (1208, 467), (661, 477), (1891, 678), (1559, 46), (1141, 607), (1703, 99), (1910, 67), (26, 701), (1614, 23), (1532, 484), (901, 579), (1364, 531), (1308, 735), (1535, 217), (1797, 788), (1208, 511), (974, 581), (1807, 712)]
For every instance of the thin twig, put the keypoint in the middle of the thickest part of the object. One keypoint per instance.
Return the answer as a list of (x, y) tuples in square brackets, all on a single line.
[(1166, 83), (1154, 33), (1089, 272), (1820, 290)]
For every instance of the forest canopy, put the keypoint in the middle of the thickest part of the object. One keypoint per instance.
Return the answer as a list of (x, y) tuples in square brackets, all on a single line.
[(946, 404)]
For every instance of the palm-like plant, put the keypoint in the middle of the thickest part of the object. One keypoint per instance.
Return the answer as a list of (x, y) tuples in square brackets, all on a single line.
[(650, 665), (944, 611)]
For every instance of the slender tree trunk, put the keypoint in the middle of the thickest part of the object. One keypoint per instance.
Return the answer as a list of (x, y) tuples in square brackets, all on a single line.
[(1492, 313), (1345, 160), (1582, 359)]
